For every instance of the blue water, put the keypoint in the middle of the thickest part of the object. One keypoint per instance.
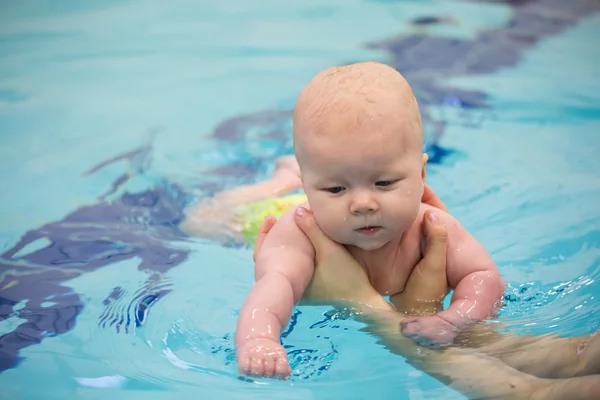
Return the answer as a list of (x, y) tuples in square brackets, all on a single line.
[(81, 83)]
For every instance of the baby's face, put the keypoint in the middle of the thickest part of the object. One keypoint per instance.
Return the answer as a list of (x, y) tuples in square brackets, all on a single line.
[(364, 187)]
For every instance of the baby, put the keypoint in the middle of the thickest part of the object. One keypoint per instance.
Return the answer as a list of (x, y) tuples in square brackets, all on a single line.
[(358, 141)]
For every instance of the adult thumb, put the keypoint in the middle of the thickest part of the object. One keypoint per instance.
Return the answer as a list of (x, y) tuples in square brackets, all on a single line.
[(307, 223), (434, 259), (263, 231), (428, 281)]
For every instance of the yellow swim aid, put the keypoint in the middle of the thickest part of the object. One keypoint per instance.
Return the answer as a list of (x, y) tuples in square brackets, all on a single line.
[(254, 214)]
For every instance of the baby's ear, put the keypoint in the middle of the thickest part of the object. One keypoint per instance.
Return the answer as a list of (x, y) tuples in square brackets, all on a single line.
[(424, 168)]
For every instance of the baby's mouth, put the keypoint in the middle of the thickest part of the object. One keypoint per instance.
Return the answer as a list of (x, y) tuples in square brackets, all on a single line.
[(369, 230)]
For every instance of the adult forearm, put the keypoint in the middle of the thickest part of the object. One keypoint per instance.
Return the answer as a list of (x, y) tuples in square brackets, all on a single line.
[(471, 373)]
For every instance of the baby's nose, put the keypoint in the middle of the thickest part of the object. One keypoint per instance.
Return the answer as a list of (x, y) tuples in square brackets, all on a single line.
[(364, 204)]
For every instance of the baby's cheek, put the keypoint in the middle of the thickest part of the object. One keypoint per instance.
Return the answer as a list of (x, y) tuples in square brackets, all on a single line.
[(335, 226), (331, 227), (404, 213)]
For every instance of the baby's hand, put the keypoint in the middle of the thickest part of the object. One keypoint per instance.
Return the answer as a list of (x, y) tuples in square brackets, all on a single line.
[(263, 357), (429, 331)]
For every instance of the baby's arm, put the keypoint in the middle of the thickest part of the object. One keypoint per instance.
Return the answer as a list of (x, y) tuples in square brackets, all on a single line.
[(284, 268), (478, 288)]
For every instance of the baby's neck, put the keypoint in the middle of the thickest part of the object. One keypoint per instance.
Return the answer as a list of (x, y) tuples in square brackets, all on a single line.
[(378, 258), (379, 264)]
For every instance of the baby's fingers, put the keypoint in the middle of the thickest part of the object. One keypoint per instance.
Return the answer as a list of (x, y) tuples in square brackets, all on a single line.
[(270, 366), (282, 367), (244, 365), (257, 366)]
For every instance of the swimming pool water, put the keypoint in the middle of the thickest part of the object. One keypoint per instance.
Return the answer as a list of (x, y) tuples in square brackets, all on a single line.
[(204, 89)]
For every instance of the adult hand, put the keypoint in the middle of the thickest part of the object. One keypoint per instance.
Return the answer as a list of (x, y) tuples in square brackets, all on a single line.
[(339, 276), (427, 285), (431, 199)]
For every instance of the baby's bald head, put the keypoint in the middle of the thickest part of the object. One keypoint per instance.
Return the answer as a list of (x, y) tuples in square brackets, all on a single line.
[(365, 98)]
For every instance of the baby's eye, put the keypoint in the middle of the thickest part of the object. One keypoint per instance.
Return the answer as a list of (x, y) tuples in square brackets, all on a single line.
[(335, 189), (384, 183)]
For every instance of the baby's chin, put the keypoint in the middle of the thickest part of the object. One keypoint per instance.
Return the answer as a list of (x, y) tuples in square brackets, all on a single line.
[(362, 243), (367, 245), (370, 246)]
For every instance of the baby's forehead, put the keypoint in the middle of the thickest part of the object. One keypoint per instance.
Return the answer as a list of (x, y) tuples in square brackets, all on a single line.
[(341, 164), (351, 120), (363, 99)]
